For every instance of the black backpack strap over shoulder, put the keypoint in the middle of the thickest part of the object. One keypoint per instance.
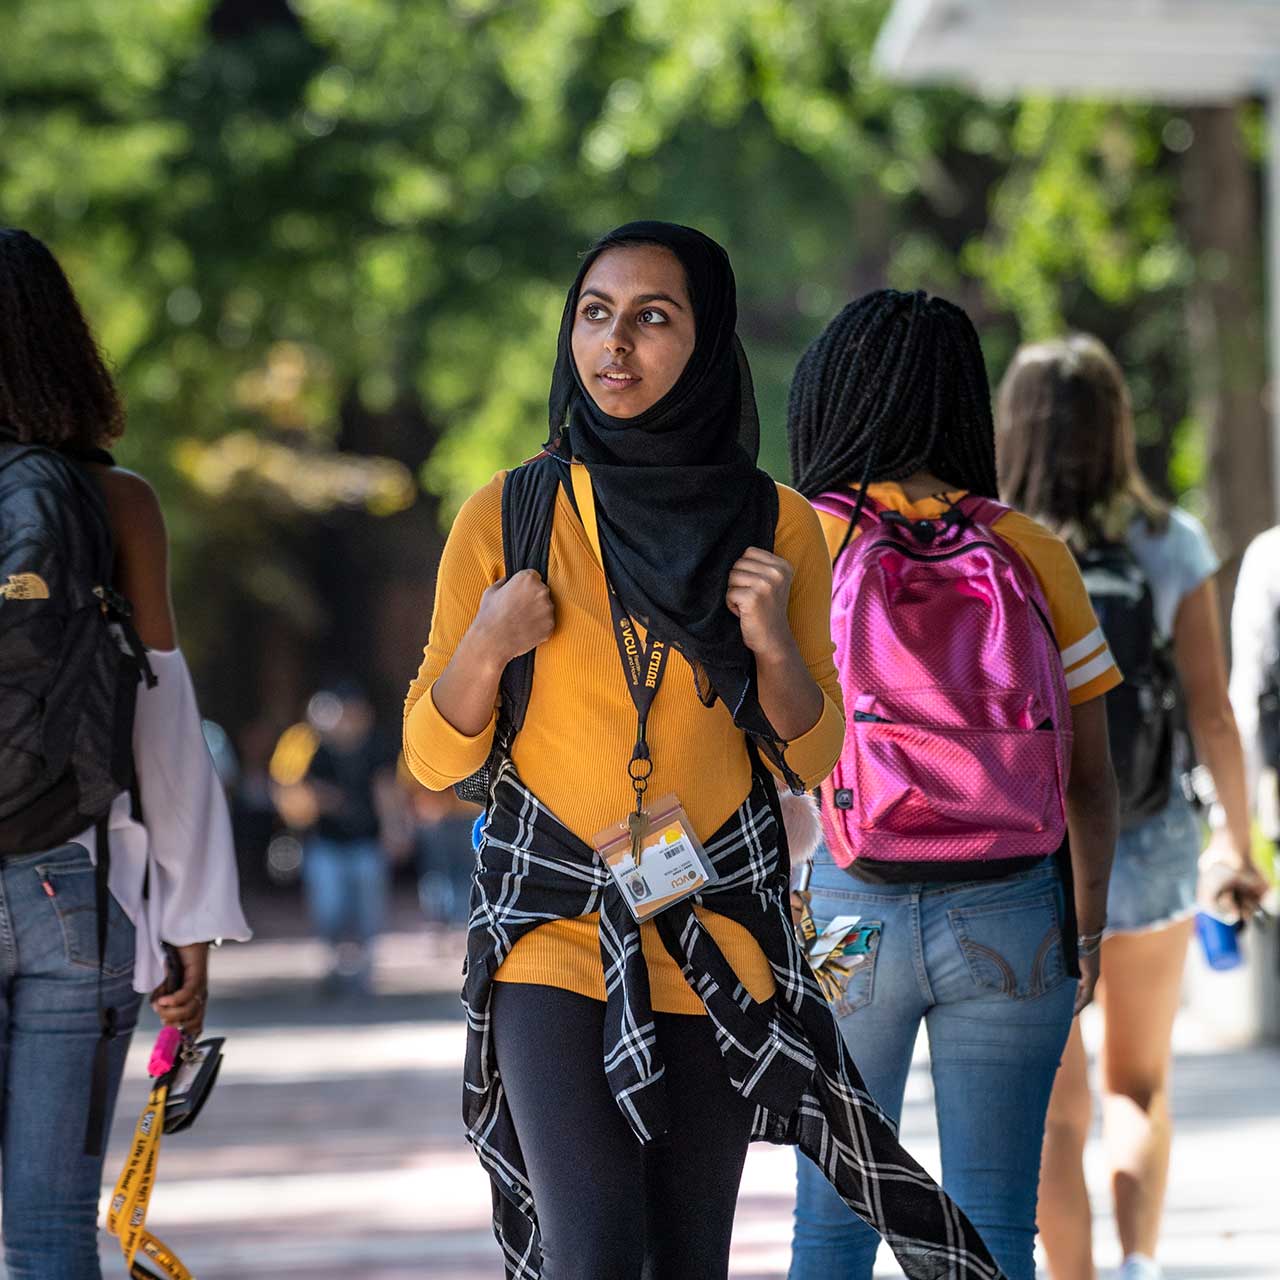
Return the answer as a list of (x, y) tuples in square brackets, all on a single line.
[(528, 511), (98, 1120)]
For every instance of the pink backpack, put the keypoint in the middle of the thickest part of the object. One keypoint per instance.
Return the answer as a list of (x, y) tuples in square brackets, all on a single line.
[(958, 739)]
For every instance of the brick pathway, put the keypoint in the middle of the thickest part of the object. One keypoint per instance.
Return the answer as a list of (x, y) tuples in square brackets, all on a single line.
[(333, 1148)]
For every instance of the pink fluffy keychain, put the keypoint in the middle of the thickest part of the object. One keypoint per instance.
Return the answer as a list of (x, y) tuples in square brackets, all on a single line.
[(165, 1053), (802, 823)]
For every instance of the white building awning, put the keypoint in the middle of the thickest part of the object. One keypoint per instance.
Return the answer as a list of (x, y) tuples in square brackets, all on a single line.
[(1176, 51), (1179, 52)]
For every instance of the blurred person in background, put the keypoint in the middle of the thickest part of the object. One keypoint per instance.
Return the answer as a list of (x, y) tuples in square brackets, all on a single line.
[(1255, 674), (335, 780), (443, 852), (1066, 455), (115, 869), (253, 809)]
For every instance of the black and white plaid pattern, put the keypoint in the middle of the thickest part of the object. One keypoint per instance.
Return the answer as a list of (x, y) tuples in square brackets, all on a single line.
[(787, 1056)]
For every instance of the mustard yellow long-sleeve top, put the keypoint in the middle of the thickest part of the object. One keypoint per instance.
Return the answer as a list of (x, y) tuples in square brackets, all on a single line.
[(580, 727)]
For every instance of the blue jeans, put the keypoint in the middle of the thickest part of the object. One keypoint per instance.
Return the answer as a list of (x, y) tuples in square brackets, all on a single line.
[(49, 1017), (346, 884), (445, 860), (980, 963)]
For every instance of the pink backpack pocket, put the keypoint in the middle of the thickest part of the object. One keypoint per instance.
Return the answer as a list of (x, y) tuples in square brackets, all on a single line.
[(958, 728)]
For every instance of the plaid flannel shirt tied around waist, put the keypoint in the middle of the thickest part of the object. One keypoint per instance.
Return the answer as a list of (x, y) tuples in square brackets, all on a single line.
[(787, 1056)]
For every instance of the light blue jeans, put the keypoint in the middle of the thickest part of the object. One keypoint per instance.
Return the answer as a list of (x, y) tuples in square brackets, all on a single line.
[(346, 883), (980, 963), (48, 1034)]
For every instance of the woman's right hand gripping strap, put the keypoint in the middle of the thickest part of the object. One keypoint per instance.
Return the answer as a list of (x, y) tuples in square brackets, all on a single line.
[(528, 512)]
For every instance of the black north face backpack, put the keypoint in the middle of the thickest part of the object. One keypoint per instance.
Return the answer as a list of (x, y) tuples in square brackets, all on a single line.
[(70, 663), (1142, 713)]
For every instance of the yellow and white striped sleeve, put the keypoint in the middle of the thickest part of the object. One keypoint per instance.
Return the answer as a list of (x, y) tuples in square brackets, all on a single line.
[(1090, 668)]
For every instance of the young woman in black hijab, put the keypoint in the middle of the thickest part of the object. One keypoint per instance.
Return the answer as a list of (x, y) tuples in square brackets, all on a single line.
[(617, 1070)]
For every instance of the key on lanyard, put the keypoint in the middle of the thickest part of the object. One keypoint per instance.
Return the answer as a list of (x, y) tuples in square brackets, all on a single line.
[(638, 825), (639, 769)]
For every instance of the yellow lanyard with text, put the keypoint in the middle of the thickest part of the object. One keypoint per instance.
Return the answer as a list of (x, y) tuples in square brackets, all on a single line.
[(127, 1215), (643, 664)]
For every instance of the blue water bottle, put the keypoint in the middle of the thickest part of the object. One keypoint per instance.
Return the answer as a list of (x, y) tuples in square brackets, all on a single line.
[(1220, 941)]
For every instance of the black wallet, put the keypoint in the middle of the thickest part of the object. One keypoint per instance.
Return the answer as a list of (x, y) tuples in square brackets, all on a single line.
[(191, 1082)]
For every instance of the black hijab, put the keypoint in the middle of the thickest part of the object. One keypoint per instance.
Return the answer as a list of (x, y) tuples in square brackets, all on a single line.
[(678, 494)]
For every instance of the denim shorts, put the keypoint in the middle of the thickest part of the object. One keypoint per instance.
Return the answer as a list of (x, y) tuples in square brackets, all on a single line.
[(1153, 878)]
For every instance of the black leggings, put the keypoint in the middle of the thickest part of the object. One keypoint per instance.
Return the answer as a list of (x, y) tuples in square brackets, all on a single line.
[(609, 1209)]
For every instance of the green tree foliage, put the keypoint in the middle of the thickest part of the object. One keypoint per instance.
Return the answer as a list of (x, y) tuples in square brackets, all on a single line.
[(283, 216)]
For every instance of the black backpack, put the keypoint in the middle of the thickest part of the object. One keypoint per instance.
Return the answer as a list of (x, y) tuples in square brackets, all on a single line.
[(70, 663), (1143, 712)]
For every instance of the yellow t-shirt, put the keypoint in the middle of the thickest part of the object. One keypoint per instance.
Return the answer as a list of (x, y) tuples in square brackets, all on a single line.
[(1090, 668), (580, 727)]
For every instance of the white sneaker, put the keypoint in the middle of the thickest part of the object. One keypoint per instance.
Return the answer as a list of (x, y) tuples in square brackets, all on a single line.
[(1137, 1266)]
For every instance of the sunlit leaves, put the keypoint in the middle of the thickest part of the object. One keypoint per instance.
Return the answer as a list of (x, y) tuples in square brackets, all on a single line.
[(1084, 200), (243, 464), (401, 190), (117, 53), (490, 374)]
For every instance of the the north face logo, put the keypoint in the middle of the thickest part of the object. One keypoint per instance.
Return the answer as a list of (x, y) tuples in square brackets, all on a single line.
[(25, 586)]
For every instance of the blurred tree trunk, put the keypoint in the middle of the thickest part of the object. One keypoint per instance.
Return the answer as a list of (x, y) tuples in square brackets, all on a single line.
[(1226, 328), (231, 19), (381, 596)]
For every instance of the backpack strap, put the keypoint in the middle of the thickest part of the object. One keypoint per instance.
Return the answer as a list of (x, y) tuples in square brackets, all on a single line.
[(842, 504), (528, 512), (845, 506), (95, 1132), (12, 450), (983, 511)]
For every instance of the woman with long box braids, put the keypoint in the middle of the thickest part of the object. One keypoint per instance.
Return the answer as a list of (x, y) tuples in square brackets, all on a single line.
[(619, 1063), (890, 428)]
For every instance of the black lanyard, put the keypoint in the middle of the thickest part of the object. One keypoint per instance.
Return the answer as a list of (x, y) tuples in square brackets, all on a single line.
[(643, 668)]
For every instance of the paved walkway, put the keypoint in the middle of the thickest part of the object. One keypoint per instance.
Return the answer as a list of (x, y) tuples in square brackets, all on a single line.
[(332, 1148)]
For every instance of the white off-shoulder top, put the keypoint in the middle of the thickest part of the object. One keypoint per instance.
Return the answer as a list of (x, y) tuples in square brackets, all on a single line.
[(185, 836)]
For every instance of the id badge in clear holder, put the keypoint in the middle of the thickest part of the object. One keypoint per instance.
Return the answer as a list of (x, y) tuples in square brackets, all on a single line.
[(673, 863)]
